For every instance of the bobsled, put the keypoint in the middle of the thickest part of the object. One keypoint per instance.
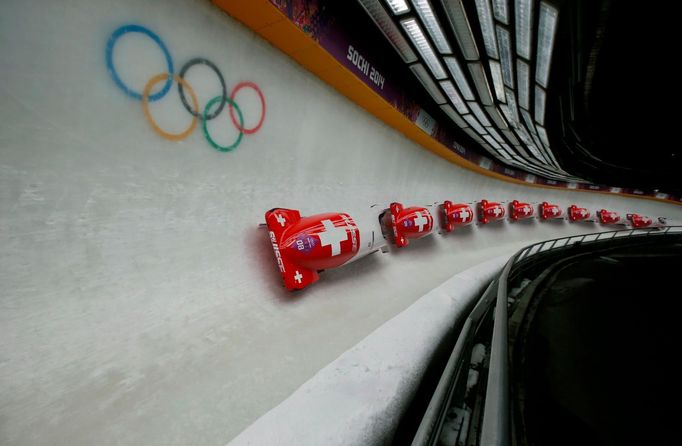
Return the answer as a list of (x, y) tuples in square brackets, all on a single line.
[(549, 210), (304, 246), (639, 221), (577, 214), (456, 214), (403, 224), (489, 211), (519, 210), (608, 217)]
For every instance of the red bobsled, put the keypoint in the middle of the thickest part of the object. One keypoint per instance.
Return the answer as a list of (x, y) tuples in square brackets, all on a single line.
[(639, 221), (305, 245), (407, 223), (548, 210), (519, 210), (490, 211), (608, 217), (577, 214), (456, 214)]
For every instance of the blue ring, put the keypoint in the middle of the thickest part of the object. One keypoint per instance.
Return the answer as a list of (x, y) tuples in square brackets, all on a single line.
[(110, 60)]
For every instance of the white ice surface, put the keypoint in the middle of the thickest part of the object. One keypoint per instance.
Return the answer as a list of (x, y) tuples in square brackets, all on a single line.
[(359, 397), (139, 301)]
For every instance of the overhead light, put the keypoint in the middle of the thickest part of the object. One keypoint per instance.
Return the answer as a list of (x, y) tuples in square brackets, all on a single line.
[(473, 123), (492, 141), (523, 135), (428, 83), (539, 146), (460, 78), (553, 161), (497, 118), (504, 154), (504, 39), (536, 153), (542, 133), (540, 105), (495, 135), (417, 36), (457, 16), (485, 18), (516, 163), (540, 152), (511, 104), (481, 83), (524, 21), (475, 136), (454, 96), (544, 173), (454, 115), (546, 31), (546, 153), (509, 150), (532, 166), (498, 83), (508, 115), (534, 162), (500, 10), (480, 115), (510, 136), (398, 6), (523, 81), (528, 166), (547, 163), (429, 19), (384, 22), (528, 120)]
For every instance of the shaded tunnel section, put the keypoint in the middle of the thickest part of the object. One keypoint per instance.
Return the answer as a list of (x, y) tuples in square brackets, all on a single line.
[(592, 361), (569, 345)]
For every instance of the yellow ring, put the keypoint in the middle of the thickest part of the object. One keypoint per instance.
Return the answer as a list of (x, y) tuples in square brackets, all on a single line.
[(147, 114)]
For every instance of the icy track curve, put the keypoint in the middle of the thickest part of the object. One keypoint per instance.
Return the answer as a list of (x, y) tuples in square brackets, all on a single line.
[(140, 302)]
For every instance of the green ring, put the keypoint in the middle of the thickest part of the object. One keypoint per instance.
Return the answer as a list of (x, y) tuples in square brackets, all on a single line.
[(205, 123)]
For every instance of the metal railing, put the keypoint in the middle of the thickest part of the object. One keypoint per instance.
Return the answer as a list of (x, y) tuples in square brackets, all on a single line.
[(495, 426), (429, 429)]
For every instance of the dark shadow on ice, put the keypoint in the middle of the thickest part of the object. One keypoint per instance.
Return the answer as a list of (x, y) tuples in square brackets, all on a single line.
[(524, 222), (362, 267), (415, 246)]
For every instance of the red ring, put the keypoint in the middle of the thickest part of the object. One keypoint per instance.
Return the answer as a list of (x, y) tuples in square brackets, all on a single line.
[(238, 87)]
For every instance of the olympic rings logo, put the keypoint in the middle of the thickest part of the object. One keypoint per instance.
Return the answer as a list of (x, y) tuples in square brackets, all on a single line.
[(213, 107)]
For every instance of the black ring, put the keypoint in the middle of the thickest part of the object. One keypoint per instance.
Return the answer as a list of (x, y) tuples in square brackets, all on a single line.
[(208, 63)]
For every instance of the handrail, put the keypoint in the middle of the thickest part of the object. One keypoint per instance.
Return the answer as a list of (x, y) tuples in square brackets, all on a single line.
[(495, 426), (496, 414), (432, 421)]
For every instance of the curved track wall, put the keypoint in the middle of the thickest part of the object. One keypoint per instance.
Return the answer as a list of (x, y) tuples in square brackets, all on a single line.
[(140, 303)]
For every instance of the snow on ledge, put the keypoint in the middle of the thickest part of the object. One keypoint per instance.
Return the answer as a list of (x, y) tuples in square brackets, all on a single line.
[(358, 398)]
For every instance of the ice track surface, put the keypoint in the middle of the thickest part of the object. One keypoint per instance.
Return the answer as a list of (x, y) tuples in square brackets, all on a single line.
[(139, 301)]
